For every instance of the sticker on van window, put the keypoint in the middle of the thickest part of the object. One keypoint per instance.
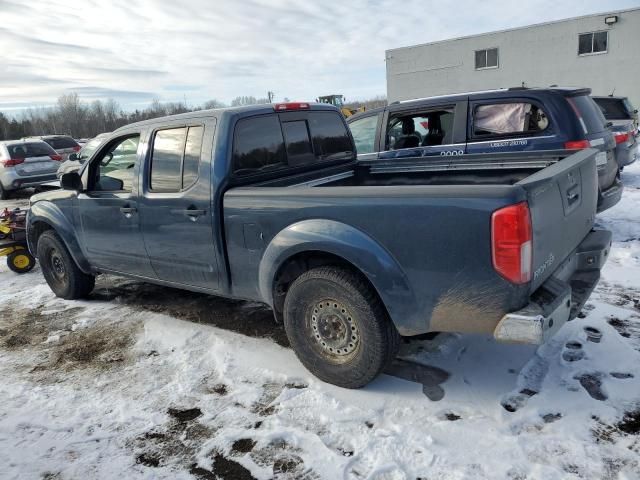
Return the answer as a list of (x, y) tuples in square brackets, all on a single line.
[(509, 143)]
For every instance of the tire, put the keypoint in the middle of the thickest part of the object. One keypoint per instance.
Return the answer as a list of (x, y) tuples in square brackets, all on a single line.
[(21, 261), (321, 307), (60, 270), (4, 194)]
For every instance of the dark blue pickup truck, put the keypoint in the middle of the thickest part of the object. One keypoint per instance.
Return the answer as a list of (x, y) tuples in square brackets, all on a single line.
[(506, 120), (270, 203)]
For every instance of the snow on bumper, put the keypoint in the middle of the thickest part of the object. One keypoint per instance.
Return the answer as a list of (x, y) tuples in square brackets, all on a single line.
[(561, 297)]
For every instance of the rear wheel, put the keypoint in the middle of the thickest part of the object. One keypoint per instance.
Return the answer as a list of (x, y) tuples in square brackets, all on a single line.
[(60, 270), (21, 261), (338, 327)]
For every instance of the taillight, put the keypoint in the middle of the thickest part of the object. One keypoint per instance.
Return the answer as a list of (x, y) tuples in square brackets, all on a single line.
[(56, 157), (279, 107), (77, 148), (12, 162), (577, 145), (621, 137), (511, 246)]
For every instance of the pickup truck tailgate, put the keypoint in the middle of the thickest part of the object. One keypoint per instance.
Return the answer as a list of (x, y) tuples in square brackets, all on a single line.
[(562, 201)]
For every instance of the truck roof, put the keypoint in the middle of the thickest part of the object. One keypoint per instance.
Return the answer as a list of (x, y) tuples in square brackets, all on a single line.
[(243, 111)]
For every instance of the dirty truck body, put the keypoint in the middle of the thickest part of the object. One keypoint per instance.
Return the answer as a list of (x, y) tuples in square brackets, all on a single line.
[(349, 254)]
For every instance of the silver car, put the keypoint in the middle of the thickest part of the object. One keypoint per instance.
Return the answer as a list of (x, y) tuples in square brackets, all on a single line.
[(26, 163), (63, 144)]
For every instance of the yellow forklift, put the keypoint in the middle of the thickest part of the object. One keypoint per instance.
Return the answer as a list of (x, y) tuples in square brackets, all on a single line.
[(338, 101)]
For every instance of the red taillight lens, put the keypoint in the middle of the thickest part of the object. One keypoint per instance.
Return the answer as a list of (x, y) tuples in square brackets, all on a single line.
[(511, 242), (57, 158), (77, 148), (577, 145), (279, 107), (12, 162), (621, 137)]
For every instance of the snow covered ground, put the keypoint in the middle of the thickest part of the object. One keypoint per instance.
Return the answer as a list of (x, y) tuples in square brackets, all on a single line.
[(148, 382)]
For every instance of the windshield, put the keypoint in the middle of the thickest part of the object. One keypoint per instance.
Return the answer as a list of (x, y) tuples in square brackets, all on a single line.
[(61, 142), (89, 148)]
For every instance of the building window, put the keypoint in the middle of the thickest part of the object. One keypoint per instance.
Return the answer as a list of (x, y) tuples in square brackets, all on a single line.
[(593, 42), (487, 58)]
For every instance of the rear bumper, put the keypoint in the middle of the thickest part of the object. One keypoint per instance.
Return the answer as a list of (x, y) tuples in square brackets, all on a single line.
[(609, 197), (561, 297), (13, 181)]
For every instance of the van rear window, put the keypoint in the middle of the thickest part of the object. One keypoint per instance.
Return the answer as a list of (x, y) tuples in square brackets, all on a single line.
[(265, 143), (589, 113), (62, 142), (29, 150), (613, 108)]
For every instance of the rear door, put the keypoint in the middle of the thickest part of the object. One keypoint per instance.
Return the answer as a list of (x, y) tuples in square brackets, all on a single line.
[(175, 208), (562, 201), (510, 125), (434, 130)]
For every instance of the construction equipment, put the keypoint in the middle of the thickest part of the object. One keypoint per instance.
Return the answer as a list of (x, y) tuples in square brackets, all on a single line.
[(338, 101), (13, 241)]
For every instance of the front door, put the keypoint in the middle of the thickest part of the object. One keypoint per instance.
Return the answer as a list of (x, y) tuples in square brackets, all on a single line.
[(175, 210), (424, 132), (108, 209)]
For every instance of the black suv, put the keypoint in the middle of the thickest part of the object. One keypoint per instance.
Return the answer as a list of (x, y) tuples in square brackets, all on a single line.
[(507, 120)]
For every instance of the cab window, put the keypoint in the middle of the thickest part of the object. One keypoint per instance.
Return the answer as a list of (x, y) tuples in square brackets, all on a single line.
[(113, 168), (431, 128), (175, 159)]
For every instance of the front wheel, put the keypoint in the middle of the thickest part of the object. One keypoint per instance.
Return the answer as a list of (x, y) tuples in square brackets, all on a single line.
[(60, 270), (338, 327)]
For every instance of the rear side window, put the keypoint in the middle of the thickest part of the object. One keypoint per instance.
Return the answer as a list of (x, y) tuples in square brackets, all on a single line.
[(589, 114), (508, 118), (264, 143), (613, 108), (28, 150), (60, 143), (175, 159), (192, 150)]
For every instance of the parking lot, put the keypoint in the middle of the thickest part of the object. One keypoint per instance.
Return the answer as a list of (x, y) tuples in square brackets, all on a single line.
[(143, 381)]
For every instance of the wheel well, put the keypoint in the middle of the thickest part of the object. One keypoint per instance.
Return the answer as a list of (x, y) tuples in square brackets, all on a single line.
[(296, 265), (37, 229)]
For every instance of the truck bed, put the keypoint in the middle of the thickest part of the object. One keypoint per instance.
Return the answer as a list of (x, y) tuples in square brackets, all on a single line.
[(430, 220)]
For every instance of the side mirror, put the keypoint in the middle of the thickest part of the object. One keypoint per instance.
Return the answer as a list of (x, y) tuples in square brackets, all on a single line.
[(71, 181), (73, 156)]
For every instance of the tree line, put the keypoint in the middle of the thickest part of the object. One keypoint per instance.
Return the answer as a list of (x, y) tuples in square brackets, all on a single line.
[(72, 116)]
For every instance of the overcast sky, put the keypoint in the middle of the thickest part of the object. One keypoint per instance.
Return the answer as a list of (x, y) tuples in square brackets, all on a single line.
[(134, 51)]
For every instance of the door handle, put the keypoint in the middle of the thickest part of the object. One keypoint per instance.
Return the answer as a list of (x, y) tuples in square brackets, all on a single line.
[(128, 211), (189, 212)]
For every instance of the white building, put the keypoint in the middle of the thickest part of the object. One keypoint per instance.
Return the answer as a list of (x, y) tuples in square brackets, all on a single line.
[(598, 51)]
